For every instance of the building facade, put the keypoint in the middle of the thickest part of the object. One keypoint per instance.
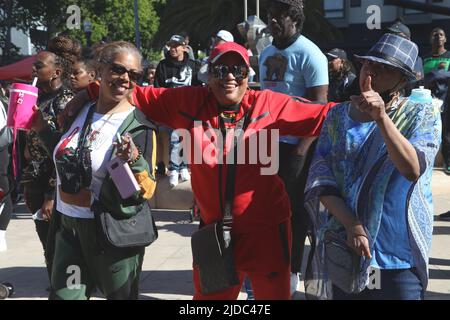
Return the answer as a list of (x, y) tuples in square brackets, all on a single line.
[(355, 18)]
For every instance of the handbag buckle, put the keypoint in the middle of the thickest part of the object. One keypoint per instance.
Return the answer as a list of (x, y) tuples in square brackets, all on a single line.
[(227, 238)]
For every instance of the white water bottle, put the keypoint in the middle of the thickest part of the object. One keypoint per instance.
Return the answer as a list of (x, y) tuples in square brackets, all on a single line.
[(421, 95)]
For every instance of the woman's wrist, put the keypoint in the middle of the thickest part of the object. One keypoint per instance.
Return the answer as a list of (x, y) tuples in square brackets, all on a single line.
[(137, 154), (382, 120), (352, 225), (357, 230)]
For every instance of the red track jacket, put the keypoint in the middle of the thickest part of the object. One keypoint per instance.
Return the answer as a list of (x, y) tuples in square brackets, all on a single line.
[(260, 200)]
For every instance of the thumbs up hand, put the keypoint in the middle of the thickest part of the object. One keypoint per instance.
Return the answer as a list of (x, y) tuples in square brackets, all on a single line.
[(369, 101), (367, 84)]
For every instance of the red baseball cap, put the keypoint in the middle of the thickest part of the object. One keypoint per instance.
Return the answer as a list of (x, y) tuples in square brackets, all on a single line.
[(227, 47)]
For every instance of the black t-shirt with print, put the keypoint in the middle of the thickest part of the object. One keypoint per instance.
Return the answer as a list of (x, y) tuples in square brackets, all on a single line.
[(174, 74)]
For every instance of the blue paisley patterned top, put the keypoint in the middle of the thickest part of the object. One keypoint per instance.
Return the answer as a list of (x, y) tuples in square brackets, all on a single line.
[(351, 162)]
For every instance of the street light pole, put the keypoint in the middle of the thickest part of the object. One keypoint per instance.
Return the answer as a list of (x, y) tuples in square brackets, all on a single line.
[(136, 25), (245, 10), (87, 26)]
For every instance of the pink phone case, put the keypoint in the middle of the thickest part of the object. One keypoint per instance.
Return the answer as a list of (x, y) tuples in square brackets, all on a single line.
[(123, 178)]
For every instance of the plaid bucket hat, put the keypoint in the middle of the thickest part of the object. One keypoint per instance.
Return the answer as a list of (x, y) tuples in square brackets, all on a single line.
[(395, 51)]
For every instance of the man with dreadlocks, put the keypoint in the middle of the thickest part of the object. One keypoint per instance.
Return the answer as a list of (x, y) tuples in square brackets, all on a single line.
[(293, 65)]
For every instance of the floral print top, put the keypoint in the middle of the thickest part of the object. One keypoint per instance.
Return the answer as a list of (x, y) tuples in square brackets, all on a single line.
[(40, 171)]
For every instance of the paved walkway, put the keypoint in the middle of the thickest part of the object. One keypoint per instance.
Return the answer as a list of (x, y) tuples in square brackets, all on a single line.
[(167, 264)]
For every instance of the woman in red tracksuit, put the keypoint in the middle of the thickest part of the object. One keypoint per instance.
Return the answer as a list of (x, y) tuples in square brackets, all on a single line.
[(261, 229)]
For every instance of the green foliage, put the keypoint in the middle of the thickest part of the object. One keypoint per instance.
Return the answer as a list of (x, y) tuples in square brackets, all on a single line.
[(152, 54), (202, 19), (12, 15), (111, 19), (114, 20), (201, 55)]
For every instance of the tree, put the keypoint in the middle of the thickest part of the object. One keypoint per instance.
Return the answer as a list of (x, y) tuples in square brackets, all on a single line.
[(5, 30), (12, 15), (111, 19), (114, 20), (202, 19)]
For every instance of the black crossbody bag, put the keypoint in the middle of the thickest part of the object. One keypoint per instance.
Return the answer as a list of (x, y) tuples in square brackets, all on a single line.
[(212, 245), (112, 233), (133, 232)]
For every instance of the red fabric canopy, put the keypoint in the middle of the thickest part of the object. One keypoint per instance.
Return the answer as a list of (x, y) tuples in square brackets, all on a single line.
[(20, 70)]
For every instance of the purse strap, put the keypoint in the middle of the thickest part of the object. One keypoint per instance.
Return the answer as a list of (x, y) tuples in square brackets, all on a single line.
[(227, 207), (84, 130)]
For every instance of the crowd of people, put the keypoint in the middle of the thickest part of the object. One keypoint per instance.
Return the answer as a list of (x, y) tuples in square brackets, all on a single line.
[(356, 151)]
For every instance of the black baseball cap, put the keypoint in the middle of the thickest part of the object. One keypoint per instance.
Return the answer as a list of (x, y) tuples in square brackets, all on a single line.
[(177, 39), (399, 28), (337, 53)]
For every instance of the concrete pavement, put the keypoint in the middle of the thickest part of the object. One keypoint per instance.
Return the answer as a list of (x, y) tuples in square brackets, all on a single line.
[(167, 264)]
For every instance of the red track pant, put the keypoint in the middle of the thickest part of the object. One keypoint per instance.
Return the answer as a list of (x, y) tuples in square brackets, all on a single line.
[(263, 256)]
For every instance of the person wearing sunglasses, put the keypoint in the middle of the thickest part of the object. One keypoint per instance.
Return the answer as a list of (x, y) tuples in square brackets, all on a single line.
[(372, 171), (261, 229), (82, 155)]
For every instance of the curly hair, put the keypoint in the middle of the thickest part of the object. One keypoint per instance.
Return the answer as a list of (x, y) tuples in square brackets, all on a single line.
[(88, 58), (297, 14), (345, 70), (294, 10), (66, 51)]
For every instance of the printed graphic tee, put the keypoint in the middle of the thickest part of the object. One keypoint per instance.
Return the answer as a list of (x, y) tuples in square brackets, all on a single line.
[(293, 70), (101, 135), (431, 62)]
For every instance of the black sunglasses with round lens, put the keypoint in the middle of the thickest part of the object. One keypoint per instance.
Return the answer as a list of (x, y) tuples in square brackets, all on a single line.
[(120, 70), (221, 71)]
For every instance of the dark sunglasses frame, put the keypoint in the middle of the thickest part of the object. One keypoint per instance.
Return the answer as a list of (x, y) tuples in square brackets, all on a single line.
[(38, 65), (221, 71), (120, 70)]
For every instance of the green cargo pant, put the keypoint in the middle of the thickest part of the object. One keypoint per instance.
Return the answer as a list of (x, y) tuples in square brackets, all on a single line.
[(80, 265)]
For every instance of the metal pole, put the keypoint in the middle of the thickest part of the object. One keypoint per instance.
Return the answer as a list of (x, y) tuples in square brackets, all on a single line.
[(257, 8), (88, 39), (87, 26), (136, 25), (245, 10)]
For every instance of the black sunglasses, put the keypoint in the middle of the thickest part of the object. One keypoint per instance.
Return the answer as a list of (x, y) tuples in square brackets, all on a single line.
[(221, 71), (120, 70), (38, 65)]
